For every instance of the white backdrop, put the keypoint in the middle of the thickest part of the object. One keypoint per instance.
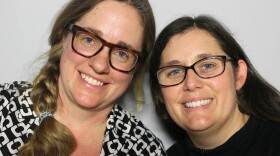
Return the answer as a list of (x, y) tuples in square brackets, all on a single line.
[(255, 24)]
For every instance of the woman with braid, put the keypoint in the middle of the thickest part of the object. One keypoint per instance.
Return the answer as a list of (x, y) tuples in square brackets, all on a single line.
[(97, 48)]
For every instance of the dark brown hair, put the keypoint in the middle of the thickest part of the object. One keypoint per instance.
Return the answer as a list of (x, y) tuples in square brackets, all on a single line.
[(257, 97)]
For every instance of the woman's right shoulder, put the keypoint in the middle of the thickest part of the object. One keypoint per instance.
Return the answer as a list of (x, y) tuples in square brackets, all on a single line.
[(10, 90), (177, 149), (14, 86)]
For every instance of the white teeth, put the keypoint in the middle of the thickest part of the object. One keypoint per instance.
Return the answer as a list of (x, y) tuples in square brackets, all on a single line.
[(198, 103), (91, 80)]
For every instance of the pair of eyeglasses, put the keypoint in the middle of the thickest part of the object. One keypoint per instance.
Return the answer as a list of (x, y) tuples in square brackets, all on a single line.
[(88, 44), (205, 68)]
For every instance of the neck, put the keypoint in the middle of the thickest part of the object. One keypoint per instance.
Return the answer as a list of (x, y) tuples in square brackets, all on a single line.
[(87, 125), (214, 137), (73, 116)]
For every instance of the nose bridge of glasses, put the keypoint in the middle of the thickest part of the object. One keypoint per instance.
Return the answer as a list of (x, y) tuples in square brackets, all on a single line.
[(192, 67), (185, 75), (191, 77), (103, 43)]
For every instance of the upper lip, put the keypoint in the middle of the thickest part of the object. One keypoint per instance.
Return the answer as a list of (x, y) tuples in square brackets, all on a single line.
[(198, 103), (93, 77), (196, 99)]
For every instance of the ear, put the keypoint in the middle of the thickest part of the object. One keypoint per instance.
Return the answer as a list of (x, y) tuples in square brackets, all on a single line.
[(241, 74)]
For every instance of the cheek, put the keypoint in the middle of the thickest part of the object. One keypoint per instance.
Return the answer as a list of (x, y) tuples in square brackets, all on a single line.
[(224, 90), (170, 97), (229, 83), (165, 95), (224, 83), (69, 62), (121, 78), (69, 57), (171, 100)]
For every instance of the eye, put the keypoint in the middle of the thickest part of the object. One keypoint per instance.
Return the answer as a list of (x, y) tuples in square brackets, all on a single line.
[(173, 72), (88, 40), (121, 55), (208, 66)]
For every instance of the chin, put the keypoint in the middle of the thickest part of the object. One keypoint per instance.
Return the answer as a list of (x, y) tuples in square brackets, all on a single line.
[(198, 125)]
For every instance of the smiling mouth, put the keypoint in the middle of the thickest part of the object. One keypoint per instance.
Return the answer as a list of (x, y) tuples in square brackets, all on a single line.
[(197, 103), (91, 80)]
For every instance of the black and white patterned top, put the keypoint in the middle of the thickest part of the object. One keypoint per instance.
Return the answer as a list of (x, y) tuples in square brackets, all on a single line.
[(124, 135)]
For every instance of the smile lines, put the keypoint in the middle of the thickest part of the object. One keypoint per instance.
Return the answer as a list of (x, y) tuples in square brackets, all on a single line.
[(91, 80), (197, 103)]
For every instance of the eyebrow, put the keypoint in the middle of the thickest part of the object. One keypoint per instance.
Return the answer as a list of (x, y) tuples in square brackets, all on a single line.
[(119, 43), (202, 56), (198, 57), (173, 62)]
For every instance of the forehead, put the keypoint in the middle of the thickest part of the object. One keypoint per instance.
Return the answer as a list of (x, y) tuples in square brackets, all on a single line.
[(191, 46), (110, 11), (115, 21)]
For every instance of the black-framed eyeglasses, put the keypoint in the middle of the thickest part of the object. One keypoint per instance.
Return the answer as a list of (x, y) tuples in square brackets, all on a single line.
[(205, 68), (88, 44)]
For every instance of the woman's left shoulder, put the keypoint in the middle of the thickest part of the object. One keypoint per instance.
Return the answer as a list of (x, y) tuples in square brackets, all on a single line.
[(268, 130), (131, 130), (131, 123)]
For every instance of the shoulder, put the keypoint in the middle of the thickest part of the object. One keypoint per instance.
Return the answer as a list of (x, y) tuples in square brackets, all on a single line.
[(130, 131), (15, 102), (265, 135), (14, 94), (269, 129), (177, 149), (265, 126), (15, 98), (125, 122), (13, 89), (15, 84), (17, 118), (122, 117)]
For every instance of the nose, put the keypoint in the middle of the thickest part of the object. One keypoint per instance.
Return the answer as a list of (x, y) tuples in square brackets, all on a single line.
[(192, 81), (100, 62)]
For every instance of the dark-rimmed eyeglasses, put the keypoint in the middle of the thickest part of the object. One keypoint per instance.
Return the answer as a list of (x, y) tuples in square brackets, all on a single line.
[(88, 44), (205, 68)]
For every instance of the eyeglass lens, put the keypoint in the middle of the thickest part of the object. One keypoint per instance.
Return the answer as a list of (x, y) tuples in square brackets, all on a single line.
[(88, 45), (204, 68)]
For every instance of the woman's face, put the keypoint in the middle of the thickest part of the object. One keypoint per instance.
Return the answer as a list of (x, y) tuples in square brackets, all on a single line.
[(213, 100), (92, 82)]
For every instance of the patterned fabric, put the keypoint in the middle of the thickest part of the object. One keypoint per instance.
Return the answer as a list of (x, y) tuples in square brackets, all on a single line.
[(124, 134)]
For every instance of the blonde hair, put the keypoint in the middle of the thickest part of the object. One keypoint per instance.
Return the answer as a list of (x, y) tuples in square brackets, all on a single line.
[(52, 137)]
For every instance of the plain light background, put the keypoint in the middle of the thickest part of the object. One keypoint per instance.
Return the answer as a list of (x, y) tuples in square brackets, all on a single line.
[(25, 26)]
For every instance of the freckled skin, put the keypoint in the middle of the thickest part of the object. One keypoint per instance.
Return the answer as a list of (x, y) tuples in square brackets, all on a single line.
[(121, 21)]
